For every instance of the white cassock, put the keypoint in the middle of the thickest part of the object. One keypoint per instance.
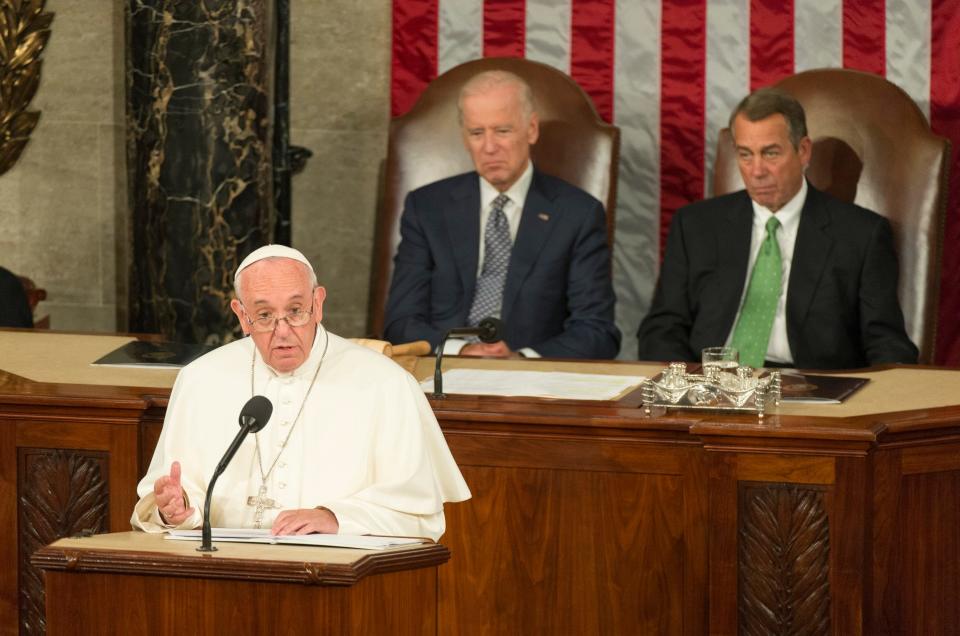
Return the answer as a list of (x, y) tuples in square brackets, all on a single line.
[(367, 444)]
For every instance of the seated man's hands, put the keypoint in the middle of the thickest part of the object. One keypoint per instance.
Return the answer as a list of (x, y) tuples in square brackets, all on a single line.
[(171, 501), (497, 349), (305, 521)]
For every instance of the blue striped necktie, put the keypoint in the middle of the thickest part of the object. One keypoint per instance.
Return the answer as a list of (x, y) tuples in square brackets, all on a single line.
[(488, 295)]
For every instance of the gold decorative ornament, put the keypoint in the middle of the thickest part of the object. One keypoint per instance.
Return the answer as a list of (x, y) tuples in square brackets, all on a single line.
[(24, 31)]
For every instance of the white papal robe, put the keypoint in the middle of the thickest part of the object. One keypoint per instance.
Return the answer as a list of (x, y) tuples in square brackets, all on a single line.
[(367, 445)]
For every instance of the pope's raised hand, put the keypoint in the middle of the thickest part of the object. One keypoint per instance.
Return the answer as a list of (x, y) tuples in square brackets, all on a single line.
[(171, 500)]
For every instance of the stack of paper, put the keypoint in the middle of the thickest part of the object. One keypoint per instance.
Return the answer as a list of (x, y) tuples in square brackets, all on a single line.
[(544, 384), (245, 535)]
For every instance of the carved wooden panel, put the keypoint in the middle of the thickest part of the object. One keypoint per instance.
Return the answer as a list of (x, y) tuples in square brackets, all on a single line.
[(540, 551), (928, 555), (783, 559), (61, 493)]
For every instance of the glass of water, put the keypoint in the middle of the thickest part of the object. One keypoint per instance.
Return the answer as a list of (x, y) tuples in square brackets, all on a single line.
[(719, 360)]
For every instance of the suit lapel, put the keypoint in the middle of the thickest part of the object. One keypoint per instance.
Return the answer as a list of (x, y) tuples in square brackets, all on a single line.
[(536, 222), (463, 228), (810, 254), (733, 232)]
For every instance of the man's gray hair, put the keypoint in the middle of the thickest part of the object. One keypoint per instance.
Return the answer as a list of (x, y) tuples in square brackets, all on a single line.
[(488, 80), (765, 102), (238, 279)]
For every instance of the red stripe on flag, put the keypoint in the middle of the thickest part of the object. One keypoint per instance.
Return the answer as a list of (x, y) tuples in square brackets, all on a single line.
[(683, 35), (413, 61), (591, 51), (864, 36), (504, 28), (945, 120), (771, 41)]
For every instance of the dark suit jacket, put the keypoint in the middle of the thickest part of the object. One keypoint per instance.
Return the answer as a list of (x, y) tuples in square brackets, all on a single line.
[(842, 308), (558, 297)]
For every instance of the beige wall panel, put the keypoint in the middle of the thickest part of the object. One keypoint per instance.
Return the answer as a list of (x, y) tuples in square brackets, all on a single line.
[(339, 109)]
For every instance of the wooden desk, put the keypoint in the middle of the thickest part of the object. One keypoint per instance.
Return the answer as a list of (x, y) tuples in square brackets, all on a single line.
[(136, 583), (587, 518)]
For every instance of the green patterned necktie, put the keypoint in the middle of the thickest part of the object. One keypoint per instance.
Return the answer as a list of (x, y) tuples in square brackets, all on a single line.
[(752, 333)]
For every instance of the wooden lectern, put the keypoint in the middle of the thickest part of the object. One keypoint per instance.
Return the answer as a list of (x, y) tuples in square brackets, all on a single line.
[(133, 582)]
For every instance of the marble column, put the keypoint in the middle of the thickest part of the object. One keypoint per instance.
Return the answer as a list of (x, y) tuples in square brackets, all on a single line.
[(199, 91)]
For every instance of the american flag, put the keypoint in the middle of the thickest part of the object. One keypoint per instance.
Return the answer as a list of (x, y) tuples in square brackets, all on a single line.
[(668, 72)]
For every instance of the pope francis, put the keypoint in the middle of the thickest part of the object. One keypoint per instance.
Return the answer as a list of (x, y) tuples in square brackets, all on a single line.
[(352, 446)]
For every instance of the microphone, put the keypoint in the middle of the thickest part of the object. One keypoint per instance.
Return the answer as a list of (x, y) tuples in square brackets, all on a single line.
[(487, 330), (253, 417)]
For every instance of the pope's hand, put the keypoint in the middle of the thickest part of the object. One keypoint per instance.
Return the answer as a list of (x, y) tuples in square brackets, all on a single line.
[(171, 502), (305, 521)]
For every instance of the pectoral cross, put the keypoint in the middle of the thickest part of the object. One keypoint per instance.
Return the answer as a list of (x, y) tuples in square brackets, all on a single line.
[(262, 502)]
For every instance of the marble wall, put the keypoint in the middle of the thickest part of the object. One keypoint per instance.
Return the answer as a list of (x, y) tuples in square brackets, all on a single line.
[(63, 206), (199, 159)]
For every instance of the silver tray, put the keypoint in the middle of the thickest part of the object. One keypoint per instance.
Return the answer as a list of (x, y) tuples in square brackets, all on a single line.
[(735, 390)]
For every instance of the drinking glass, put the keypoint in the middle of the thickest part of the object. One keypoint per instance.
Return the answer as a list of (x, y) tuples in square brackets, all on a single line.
[(723, 359)]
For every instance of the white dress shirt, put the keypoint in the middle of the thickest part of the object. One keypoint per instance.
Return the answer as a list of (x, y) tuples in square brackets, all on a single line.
[(778, 349)]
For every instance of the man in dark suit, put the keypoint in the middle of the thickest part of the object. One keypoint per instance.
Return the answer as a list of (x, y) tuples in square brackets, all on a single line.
[(505, 241), (782, 271)]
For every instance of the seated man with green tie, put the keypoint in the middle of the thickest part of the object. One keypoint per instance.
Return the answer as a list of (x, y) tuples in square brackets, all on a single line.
[(787, 274)]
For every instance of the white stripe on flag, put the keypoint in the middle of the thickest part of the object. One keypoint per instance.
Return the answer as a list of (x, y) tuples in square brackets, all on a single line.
[(548, 33), (818, 34), (459, 33), (908, 49), (637, 107), (727, 72)]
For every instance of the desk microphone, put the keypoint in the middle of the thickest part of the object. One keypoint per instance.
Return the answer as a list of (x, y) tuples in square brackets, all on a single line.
[(253, 417), (487, 330)]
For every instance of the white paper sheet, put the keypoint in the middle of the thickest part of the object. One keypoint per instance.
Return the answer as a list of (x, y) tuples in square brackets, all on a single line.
[(549, 384), (246, 535)]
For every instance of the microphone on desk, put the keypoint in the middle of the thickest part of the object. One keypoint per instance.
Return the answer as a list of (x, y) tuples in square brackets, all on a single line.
[(253, 417), (487, 330)]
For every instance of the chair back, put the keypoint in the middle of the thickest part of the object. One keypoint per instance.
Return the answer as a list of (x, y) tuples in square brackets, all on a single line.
[(873, 146), (425, 145)]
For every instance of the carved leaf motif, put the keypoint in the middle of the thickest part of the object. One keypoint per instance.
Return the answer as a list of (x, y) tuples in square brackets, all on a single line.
[(784, 552), (25, 87), (24, 31), (62, 493), (29, 48)]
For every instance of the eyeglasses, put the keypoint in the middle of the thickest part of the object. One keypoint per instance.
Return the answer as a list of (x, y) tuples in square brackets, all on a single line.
[(265, 322)]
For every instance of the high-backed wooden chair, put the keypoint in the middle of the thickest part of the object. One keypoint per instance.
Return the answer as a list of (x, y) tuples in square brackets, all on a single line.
[(425, 145), (872, 145)]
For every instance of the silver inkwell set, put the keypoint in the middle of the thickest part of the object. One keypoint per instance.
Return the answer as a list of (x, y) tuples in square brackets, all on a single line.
[(722, 387)]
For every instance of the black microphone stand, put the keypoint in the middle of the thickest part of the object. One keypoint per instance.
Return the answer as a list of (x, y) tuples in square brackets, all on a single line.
[(206, 542), (253, 418), (488, 330), (437, 374)]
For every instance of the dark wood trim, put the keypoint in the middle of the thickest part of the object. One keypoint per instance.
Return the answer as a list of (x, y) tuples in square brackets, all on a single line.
[(212, 567)]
